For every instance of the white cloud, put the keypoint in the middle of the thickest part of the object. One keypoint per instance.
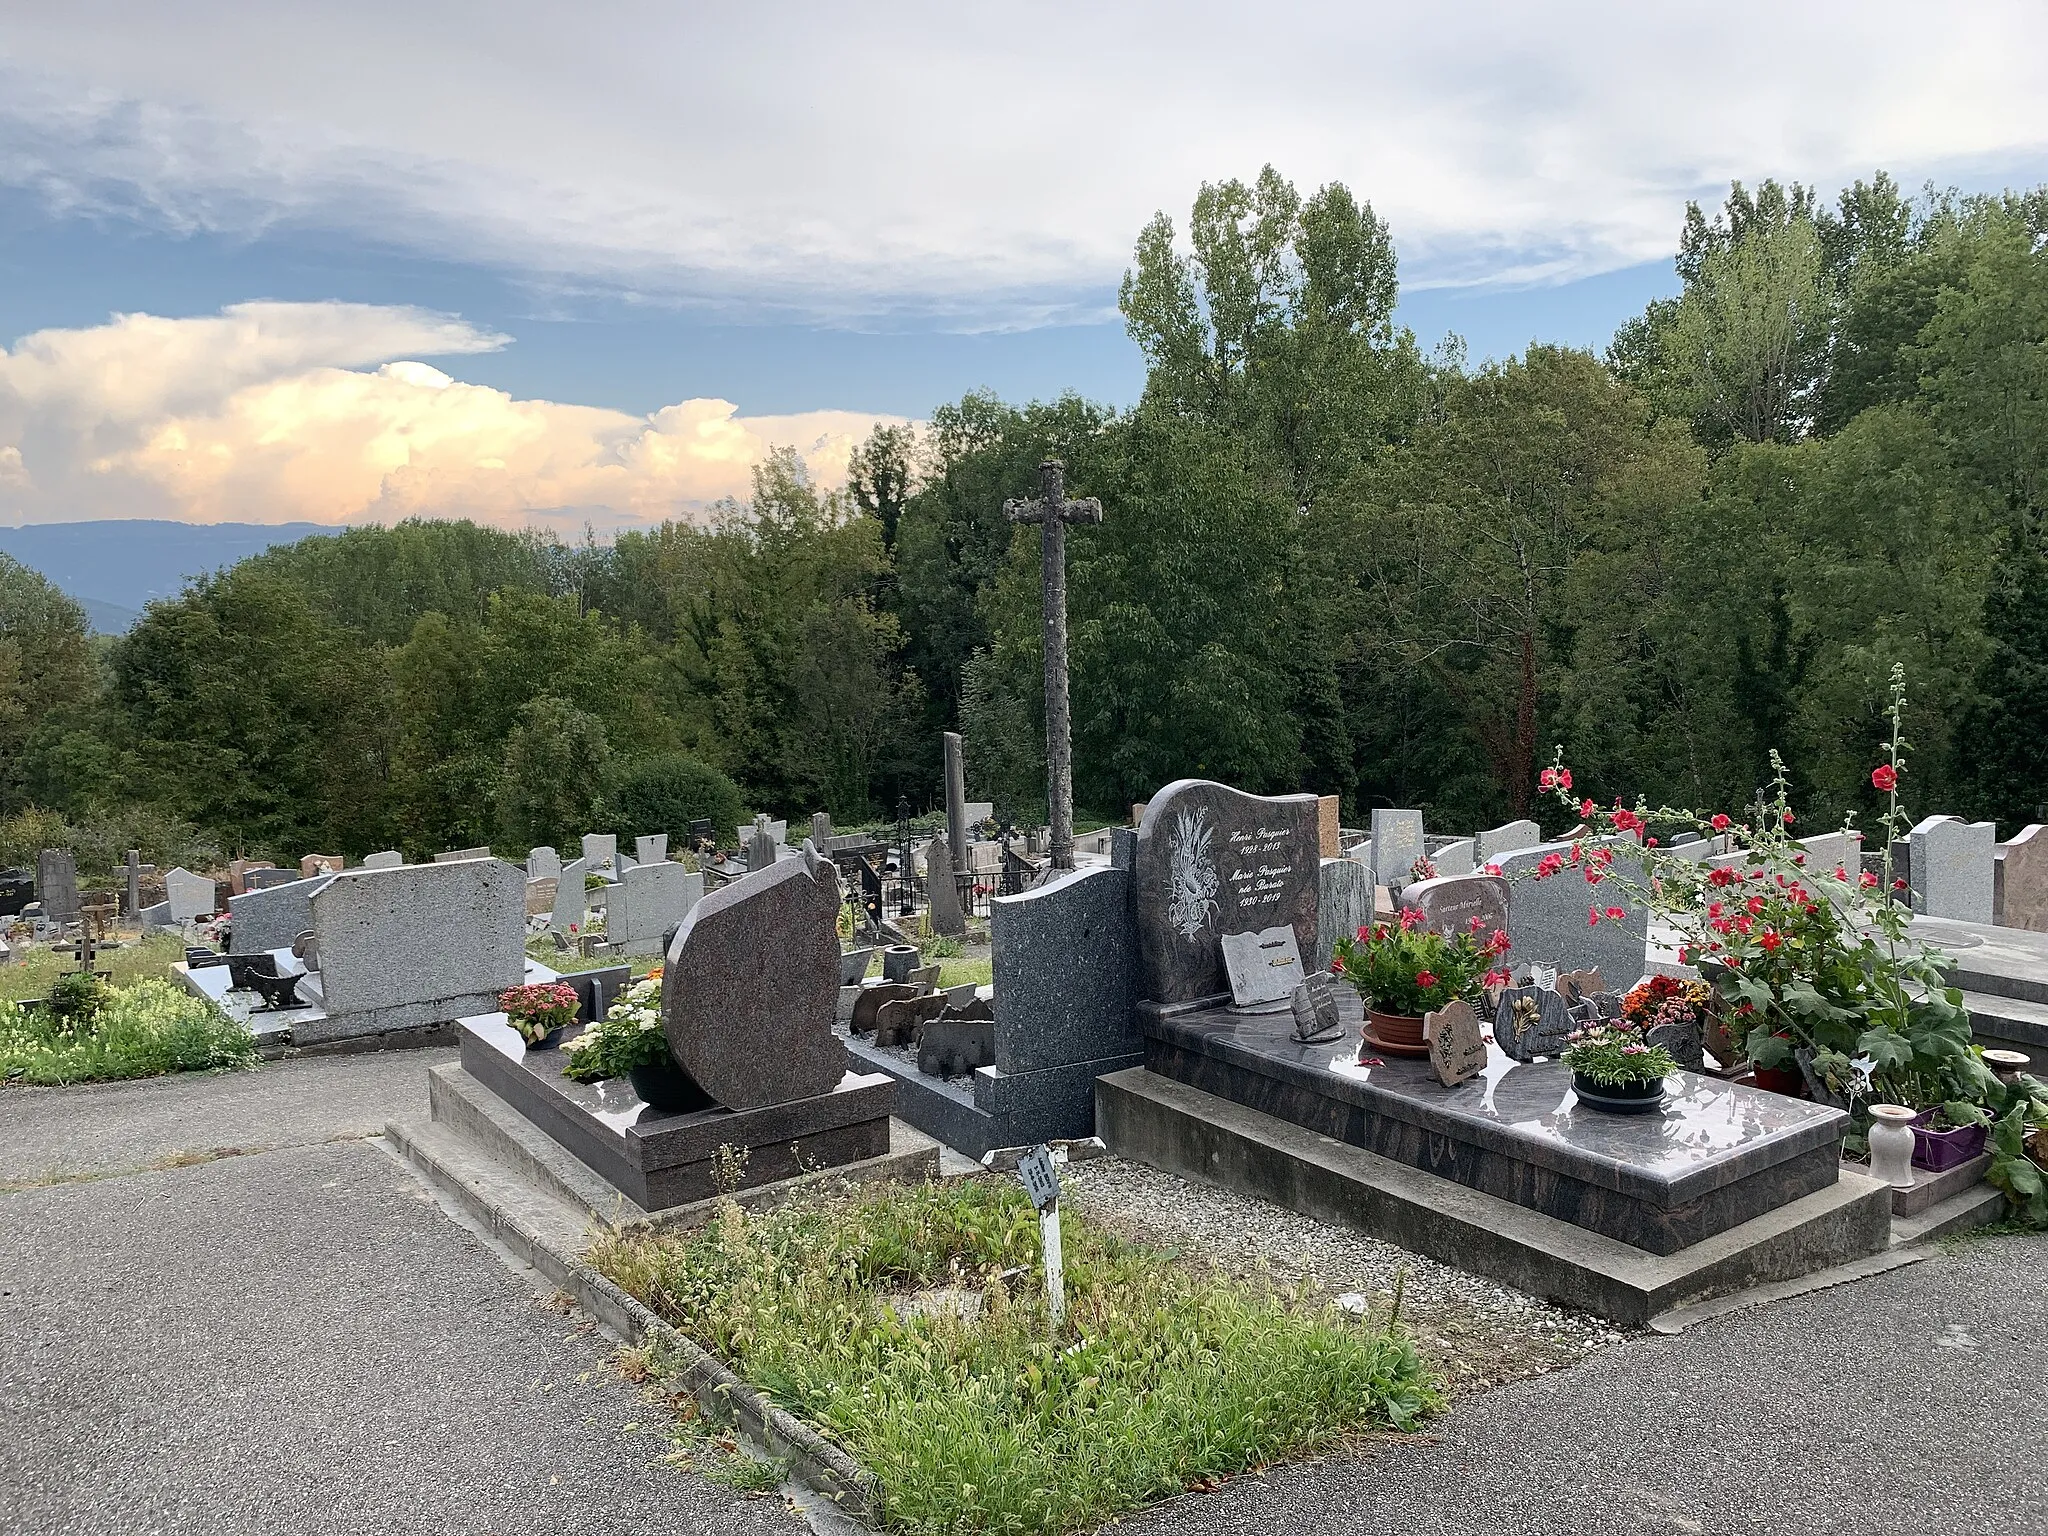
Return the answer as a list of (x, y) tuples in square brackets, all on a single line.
[(310, 412), (981, 162)]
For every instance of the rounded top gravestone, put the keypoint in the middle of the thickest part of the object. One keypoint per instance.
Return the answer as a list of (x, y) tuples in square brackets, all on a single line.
[(751, 984)]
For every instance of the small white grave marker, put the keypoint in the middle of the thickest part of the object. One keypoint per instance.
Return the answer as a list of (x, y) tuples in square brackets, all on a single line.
[(1042, 1183)]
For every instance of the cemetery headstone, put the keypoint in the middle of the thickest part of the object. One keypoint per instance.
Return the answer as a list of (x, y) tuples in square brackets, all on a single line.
[(190, 896), (321, 864), (1065, 967), (599, 848), (1212, 860), (267, 877), (1344, 904), (132, 904), (540, 897), (57, 885), (572, 898), (2022, 881), (453, 855), (272, 918), (1396, 845), (653, 849), (1457, 1045), (1456, 857), (1551, 920), (1489, 846), (749, 986), (1264, 968), (821, 830), (390, 858), (1329, 830), (853, 965), (956, 799), (1450, 902), (543, 864), (764, 842), (1952, 867), (942, 894), (408, 946), (239, 870), (651, 899)]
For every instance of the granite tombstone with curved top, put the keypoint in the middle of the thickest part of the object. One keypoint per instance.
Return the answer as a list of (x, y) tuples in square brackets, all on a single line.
[(751, 985)]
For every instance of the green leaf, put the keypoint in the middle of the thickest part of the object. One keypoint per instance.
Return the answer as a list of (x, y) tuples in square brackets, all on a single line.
[(1885, 1047)]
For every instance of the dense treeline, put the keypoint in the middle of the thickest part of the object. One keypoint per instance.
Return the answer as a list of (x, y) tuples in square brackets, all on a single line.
[(1329, 562)]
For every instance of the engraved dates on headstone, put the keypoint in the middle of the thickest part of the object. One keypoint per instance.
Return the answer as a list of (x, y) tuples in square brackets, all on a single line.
[(1457, 1045)]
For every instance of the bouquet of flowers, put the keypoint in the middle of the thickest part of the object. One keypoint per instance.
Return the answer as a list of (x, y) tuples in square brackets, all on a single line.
[(628, 1036), (1659, 1000), (1614, 1056), (538, 1011), (1404, 968)]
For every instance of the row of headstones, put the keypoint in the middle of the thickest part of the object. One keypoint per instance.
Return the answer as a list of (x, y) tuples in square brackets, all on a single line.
[(1958, 869)]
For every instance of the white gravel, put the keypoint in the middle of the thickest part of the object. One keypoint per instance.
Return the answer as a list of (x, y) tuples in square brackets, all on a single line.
[(1481, 1332)]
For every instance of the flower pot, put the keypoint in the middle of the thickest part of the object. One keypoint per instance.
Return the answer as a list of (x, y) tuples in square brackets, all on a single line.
[(1892, 1144), (1394, 1034), (547, 1042), (1939, 1151), (1786, 1080), (667, 1086), (1639, 1098)]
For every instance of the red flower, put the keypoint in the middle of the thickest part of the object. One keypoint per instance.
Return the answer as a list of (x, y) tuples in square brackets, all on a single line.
[(1364, 933), (1719, 823), (1586, 808), (1755, 905), (1868, 881), (1547, 779), (1884, 778), (1722, 876), (1789, 818), (1493, 869), (1628, 821), (1592, 917), (1549, 865), (1475, 922), (1496, 979), (1337, 961), (1898, 885), (1769, 939), (1651, 843), (1411, 919), (1425, 978), (1617, 913)]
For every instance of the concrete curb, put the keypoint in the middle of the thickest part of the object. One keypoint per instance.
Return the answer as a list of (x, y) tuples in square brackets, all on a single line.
[(813, 1460)]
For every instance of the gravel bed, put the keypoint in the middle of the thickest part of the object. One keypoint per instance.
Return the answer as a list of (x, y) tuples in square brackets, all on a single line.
[(1482, 1333)]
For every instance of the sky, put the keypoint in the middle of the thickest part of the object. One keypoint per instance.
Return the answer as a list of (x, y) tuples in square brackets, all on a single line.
[(565, 265)]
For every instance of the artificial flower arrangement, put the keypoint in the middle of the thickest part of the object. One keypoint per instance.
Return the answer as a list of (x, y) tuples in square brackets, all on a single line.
[(627, 1038), (1656, 1001), (1405, 968), (1614, 1055), (540, 1010)]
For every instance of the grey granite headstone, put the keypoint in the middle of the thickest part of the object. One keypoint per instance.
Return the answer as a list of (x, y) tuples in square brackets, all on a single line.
[(1455, 857), (853, 965), (1549, 922), (390, 858), (268, 879), (1213, 860), (455, 854), (651, 899), (821, 831), (190, 896), (599, 848), (1396, 845), (57, 885), (2022, 881), (1490, 846), (1953, 864), (652, 849), (543, 864), (1065, 965), (391, 938), (1344, 904), (750, 983), (1264, 968), (572, 899), (942, 895), (133, 905), (1450, 902), (157, 916), (272, 918), (1831, 850), (955, 754)]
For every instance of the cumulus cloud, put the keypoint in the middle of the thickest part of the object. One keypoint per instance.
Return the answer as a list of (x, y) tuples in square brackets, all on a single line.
[(844, 160), (313, 412)]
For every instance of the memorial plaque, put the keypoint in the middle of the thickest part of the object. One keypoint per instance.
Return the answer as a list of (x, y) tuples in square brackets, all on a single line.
[(1448, 904), (1531, 1021), (1457, 1045), (1212, 860), (1264, 968), (1315, 1010)]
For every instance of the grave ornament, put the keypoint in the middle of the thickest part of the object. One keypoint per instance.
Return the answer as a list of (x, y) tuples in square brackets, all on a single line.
[(1315, 1010), (1264, 969), (1457, 1045)]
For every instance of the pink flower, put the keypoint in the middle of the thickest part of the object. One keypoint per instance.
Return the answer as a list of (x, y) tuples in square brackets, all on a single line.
[(1884, 778), (1869, 881), (1411, 919), (1719, 823), (1592, 917), (1493, 869), (1616, 914), (1475, 922)]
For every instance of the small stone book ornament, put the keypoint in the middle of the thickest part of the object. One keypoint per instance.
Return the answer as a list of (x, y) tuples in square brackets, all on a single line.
[(1264, 969), (1315, 1010)]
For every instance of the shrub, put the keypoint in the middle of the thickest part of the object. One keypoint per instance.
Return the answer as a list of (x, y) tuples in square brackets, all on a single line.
[(551, 780), (667, 793), (144, 1030)]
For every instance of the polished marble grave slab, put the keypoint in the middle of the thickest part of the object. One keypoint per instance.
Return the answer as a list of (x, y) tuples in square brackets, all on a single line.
[(660, 1158), (1717, 1155)]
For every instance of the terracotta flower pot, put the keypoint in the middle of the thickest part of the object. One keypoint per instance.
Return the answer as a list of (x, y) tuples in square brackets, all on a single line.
[(1785, 1080), (1394, 1034)]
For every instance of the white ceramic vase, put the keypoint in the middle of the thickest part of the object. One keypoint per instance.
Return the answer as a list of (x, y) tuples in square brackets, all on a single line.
[(1891, 1145)]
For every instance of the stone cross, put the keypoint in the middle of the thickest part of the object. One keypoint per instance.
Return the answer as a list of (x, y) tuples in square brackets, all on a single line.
[(1052, 511)]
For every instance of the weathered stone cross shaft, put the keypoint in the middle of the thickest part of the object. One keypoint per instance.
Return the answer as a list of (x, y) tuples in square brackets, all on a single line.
[(1052, 511)]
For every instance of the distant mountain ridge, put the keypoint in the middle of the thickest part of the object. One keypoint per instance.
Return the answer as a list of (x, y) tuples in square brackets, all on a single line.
[(116, 568)]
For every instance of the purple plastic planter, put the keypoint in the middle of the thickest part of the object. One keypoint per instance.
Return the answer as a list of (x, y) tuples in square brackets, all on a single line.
[(1939, 1151)]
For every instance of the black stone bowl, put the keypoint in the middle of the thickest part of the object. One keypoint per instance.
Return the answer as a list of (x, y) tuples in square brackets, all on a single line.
[(1620, 1098)]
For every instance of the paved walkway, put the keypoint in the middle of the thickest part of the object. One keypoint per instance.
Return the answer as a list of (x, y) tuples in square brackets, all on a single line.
[(296, 1339)]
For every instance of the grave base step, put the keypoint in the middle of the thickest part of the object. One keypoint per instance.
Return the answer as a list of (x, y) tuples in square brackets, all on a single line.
[(1156, 1120)]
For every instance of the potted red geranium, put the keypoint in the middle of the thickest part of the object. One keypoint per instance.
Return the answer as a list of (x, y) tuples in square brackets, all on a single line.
[(1404, 970)]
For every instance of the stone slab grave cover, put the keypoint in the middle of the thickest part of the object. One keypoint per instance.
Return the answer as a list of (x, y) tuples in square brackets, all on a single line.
[(57, 885), (1264, 968), (942, 893), (652, 849), (651, 899), (1549, 919), (2021, 886), (1450, 902), (572, 898), (1212, 860), (1396, 845), (419, 945), (1489, 846), (1952, 868), (190, 896), (273, 918), (1344, 904), (750, 984)]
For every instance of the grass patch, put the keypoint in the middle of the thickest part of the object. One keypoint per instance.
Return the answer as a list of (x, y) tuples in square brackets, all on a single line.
[(35, 969), (543, 949), (984, 1418), (143, 1030), (958, 973)]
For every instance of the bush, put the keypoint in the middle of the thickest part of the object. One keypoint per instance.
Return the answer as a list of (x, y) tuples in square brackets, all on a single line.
[(667, 793), (144, 1030), (997, 1421), (553, 772), (100, 842)]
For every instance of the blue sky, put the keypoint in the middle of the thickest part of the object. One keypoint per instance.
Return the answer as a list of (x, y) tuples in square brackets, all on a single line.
[(531, 264)]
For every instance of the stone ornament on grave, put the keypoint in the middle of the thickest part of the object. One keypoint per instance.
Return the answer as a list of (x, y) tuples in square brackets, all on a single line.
[(1212, 860), (1457, 1045), (1315, 1010), (749, 986), (1264, 969), (1531, 1021)]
